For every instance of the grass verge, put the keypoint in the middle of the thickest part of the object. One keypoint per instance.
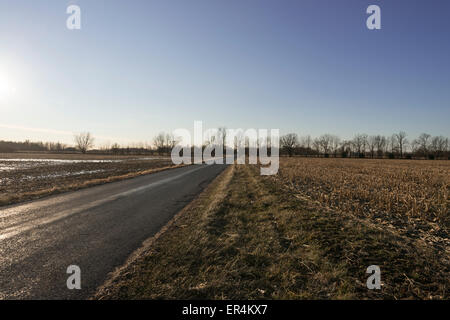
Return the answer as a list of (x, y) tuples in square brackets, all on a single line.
[(246, 237)]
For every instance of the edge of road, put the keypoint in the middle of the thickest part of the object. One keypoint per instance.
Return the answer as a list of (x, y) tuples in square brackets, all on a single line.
[(219, 182)]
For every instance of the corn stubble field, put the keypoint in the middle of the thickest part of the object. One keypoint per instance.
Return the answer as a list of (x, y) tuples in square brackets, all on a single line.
[(310, 232), (411, 197)]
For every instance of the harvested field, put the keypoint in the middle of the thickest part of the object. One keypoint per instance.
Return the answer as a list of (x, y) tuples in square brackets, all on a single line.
[(30, 176), (411, 197)]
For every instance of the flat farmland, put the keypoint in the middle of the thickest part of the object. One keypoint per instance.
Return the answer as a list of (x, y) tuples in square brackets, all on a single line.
[(309, 232), (27, 176), (408, 196)]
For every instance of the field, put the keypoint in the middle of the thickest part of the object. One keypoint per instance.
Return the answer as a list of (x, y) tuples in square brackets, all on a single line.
[(308, 233), (409, 197), (26, 176)]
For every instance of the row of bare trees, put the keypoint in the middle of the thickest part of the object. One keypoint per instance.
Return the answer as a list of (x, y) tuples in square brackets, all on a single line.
[(27, 145), (164, 142), (363, 145)]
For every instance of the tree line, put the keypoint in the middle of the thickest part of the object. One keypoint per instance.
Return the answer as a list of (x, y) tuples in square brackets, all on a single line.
[(27, 145), (362, 145), (327, 145), (84, 143)]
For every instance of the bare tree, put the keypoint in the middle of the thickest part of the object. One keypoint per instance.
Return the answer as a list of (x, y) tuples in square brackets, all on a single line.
[(393, 144), (84, 141), (446, 145), (346, 148), (335, 144), (401, 141), (372, 143), (222, 135), (219, 137), (422, 144), (380, 145), (364, 143), (159, 141), (115, 148), (316, 145), (360, 142), (438, 145), (306, 143), (289, 142), (169, 142), (325, 143)]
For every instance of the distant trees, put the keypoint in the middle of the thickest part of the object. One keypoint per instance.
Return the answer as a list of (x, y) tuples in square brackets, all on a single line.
[(362, 146), (289, 142), (421, 144), (27, 145), (222, 136), (164, 142), (372, 144), (346, 148), (326, 145), (305, 144), (401, 141), (380, 145), (438, 146), (159, 141), (430, 147), (84, 141), (360, 143), (324, 142), (115, 148), (335, 144)]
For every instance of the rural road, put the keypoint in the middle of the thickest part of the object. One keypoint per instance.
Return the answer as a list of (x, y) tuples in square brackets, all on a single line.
[(95, 228)]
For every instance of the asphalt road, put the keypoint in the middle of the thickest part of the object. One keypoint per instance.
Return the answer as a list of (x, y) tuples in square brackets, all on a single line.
[(95, 228)]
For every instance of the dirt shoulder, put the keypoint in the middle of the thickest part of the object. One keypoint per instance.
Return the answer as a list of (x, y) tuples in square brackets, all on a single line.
[(246, 237)]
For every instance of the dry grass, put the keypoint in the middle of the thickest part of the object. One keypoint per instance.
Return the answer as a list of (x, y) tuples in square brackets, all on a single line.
[(252, 237), (410, 196)]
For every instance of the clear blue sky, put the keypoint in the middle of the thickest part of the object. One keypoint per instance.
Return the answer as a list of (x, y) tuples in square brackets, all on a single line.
[(140, 67)]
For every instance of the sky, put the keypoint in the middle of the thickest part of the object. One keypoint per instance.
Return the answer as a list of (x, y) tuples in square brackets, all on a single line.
[(136, 68)]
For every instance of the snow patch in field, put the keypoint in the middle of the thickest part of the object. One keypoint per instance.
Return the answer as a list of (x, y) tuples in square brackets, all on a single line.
[(21, 163), (62, 174), (61, 160), (6, 168)]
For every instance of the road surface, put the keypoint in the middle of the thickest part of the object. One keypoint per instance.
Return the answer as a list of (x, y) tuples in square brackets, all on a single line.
[(95, 228)]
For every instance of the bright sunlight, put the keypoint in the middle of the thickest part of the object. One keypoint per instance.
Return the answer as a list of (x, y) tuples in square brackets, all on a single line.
[(7, 88)]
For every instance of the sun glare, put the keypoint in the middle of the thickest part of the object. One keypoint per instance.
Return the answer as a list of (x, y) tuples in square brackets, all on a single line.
[(6, 87)]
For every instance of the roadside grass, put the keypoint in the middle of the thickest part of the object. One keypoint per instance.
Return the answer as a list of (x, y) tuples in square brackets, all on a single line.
[(248, 237)]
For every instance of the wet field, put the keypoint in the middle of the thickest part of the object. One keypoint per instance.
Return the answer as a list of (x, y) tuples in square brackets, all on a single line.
[(32, 174)]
